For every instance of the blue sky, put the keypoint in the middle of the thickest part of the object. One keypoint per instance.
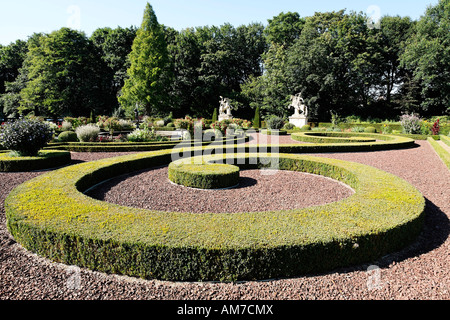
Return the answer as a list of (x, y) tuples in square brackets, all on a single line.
[(21, 18)]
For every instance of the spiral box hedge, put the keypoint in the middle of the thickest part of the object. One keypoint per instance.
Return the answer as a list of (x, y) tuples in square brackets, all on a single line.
[(204, 176), (51, 216)]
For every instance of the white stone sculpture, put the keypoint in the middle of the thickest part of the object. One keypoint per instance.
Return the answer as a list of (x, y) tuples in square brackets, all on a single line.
[(300, 116), (225, 109)]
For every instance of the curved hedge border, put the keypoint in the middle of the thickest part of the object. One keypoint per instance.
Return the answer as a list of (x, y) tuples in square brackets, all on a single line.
[(138, 146), (47, 159), (441, 152), (334, 137), (274, 133), (445, 139), (50, 216), (204, 176), (385, 142)]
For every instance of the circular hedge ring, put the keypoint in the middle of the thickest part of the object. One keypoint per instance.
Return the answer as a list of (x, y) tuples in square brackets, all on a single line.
[(335, 137), (45, 160), (51, 216), (204, 176)]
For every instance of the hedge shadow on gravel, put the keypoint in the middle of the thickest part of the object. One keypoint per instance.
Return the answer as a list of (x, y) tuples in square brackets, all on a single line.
[(435, 232)]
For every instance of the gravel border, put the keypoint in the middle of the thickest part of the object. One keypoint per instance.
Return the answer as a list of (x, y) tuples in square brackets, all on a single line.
[(418, 272)]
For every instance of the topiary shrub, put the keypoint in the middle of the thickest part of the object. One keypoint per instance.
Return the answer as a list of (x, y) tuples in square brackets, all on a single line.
[(68, 136), (25, 137), (370, 130)]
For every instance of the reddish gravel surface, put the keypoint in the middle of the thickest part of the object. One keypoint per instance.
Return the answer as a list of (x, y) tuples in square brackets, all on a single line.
[(418, 272), (257, 191)]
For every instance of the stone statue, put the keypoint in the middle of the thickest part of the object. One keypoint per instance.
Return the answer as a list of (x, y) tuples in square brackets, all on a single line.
[(225, 109), (299, 106), (300, 117)]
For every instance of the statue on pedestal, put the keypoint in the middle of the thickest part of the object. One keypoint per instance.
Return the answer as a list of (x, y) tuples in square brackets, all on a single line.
[(300, 116), (225, 109)]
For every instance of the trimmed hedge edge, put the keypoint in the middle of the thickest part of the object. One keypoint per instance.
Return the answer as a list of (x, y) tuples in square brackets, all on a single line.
[(441, 152), (204, 176), (47, 159), (50, 216)]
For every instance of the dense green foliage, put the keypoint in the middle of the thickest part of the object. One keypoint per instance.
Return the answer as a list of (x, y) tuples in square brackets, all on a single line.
[(146, 86), (337, 60)]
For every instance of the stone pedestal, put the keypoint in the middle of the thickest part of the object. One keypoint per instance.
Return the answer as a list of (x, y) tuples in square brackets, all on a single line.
[(298, 121), (225, 117)]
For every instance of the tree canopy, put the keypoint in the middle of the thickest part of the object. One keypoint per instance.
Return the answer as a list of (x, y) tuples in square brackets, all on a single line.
[(339, 61)]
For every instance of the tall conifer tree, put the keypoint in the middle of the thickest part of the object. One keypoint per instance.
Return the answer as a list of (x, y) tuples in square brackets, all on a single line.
[(146, 85)]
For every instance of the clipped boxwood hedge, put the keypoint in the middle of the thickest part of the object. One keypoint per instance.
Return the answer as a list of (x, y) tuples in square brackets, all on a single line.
[(51, 216), (441, 151), (334, 137), (274, 132), (138, 146), (45, 160), (445, 139), (204, 176)]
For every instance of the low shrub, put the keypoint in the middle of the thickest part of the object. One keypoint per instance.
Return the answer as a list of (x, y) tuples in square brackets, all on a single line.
[(66, 126), (411, 124), (370, 130), (68, 136), (306, 128), (204, 176), (26, 137), (140, 135), (289, 126), (358, 129), (274, 123), (87, 133)]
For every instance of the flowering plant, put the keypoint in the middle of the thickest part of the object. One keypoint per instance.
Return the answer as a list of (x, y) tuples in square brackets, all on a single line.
[(410, 123), (436, 128), (25, 137)]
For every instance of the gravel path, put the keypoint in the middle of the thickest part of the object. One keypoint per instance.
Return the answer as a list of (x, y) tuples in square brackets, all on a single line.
[(418, 272), (257, 191)]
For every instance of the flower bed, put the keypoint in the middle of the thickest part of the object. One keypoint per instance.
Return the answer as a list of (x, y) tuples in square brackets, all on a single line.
[(50, 216)]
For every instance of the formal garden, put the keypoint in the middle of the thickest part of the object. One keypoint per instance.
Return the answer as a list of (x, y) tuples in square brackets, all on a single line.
[(154, 193)]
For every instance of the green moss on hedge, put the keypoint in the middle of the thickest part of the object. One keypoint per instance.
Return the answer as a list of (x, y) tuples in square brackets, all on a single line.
[(45, 160), (50, 216)]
